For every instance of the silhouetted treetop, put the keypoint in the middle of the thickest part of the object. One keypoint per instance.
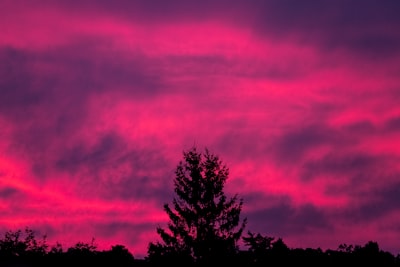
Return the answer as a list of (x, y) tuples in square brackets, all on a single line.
[(204, 223)]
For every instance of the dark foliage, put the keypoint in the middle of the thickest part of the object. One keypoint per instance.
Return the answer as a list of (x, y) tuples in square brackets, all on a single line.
[(20, 248), (204, 223)]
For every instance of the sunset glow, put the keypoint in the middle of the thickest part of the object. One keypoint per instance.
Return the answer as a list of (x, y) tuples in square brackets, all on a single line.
[(300, 99)]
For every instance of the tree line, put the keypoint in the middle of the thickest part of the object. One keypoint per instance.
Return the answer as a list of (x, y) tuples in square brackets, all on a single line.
[(204, 229)]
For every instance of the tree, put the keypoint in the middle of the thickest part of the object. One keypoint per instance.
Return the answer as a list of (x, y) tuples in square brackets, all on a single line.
[(19, 244), (264, 249), (82, 248), (118, 256), (204, 223), (258, 244)]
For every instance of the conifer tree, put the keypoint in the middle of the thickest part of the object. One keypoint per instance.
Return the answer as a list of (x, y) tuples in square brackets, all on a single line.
[(204, 224)]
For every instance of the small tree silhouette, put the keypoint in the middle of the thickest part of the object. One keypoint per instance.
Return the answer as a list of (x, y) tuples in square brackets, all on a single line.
[(205, 225), (265, 249), (19, 244)]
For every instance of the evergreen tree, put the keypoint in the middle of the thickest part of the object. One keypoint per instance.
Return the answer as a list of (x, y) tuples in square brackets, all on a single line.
[(204, 223)]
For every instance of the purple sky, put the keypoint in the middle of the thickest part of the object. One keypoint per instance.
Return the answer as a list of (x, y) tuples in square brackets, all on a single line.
[(300, 99)]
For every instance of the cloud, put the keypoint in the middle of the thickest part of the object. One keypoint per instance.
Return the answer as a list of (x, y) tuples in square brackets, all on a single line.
[(8, 192), (16, 80), (98, 100), (112, 169), (285, 220), (393, 124)]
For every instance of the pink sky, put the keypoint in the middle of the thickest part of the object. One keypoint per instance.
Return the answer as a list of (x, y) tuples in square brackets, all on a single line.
[(98, 100)]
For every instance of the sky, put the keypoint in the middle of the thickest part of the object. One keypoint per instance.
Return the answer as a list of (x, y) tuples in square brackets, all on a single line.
[(299, 99)]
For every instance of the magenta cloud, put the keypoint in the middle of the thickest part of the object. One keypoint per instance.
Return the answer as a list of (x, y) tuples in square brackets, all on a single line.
[(98, 100)]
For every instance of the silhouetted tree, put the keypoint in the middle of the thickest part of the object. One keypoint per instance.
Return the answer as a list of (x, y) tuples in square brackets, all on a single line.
[(257, 243), (120, 256), (259, 247), (82, 253), (265, 249), (56, 249), (18, 243), (21, 247), (371, 254), (205, 225)]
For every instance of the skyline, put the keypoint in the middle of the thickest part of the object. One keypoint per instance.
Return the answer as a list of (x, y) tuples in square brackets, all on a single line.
[(98, 100)]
